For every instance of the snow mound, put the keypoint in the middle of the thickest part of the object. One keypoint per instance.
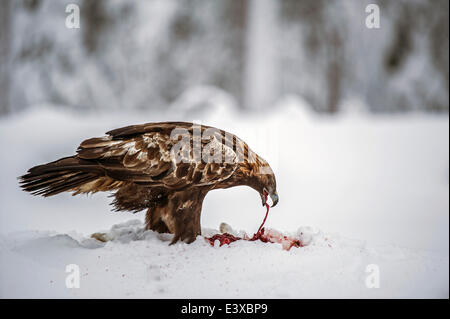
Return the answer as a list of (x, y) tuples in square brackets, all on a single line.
[(201, 101), (134, 230)]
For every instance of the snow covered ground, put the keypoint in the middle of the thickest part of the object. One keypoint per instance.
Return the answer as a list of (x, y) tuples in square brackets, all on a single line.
[(374, 191)]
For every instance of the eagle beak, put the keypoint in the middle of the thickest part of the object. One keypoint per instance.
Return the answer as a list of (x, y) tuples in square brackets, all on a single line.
[(274, 198)]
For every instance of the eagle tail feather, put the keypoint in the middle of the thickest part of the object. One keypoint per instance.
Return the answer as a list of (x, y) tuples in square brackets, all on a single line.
[(66, 174)]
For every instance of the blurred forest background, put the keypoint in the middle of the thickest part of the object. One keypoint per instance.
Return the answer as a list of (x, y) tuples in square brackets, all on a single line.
[(131, 55)]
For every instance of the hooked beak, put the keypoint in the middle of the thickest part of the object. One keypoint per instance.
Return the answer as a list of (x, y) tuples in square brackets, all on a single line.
[(273, 197)]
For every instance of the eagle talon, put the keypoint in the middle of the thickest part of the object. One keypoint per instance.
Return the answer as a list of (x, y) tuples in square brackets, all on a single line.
[(174, 240)]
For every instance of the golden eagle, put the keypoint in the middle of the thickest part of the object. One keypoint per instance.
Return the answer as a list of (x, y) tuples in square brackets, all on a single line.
[(166, 168)]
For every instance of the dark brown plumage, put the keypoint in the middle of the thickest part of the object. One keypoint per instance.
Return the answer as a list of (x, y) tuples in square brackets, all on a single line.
[(166, 168)]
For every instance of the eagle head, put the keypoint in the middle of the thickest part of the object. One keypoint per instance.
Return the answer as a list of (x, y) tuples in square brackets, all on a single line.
[(262, 179), (267, 186)]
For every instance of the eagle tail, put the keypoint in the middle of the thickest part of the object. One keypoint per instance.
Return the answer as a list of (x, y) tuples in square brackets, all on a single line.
[(65, 174)]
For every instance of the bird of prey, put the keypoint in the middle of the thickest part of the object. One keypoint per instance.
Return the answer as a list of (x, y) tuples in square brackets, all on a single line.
[(166, 168)]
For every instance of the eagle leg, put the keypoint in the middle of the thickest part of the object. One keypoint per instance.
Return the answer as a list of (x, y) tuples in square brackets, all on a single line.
[(154, 222), (187, 224), (179, 215), (186, 218), (183, 222)]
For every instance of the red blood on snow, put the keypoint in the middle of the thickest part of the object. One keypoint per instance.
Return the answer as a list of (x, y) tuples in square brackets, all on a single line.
[(270, 237)]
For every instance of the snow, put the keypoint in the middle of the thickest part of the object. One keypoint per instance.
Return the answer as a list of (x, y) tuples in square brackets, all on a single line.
[(140, 264), (364, 190)]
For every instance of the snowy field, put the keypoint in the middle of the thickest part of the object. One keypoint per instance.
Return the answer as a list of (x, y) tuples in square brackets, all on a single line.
[(366, 190)]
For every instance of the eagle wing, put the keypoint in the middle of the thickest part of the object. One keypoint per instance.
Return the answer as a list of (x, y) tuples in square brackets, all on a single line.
[(139, 162), (148, 155)]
